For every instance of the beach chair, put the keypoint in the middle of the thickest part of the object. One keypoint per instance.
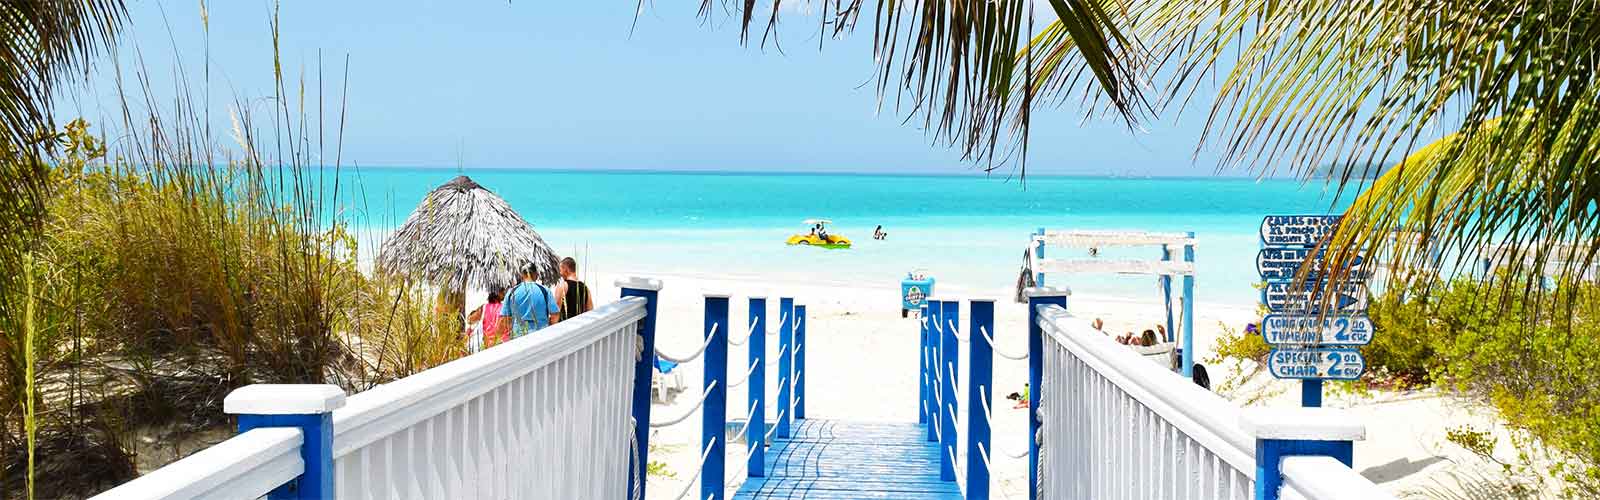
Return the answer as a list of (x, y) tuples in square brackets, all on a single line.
[(666, 384), (1163, 354)]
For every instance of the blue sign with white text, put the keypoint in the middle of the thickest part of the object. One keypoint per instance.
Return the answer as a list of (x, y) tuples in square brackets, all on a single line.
[(1297, 230), (1316, 363), (1310, 329), (1282, 296)]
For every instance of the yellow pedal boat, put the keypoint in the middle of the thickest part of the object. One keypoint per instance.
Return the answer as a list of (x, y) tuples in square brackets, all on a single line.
[(819, 236)]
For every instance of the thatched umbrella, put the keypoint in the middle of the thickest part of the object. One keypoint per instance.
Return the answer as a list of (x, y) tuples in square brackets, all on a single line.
[(462, 236)]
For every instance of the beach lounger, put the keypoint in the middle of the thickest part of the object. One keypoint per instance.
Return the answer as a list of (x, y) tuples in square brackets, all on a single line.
[(666, 384), (1160, 354)]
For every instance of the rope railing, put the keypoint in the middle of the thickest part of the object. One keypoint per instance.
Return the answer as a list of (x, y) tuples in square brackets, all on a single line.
[(747, 419), (956, 332), (685, 416), (767, 438), (698, 469), (697, 352), (781, 318), (747, 373), (995, 346), (989, 415), (748, 333)]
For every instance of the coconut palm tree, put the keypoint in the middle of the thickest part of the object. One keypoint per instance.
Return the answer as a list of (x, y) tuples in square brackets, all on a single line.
[(1477, 119)]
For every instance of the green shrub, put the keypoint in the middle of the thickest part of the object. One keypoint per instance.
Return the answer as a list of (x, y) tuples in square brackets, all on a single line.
[(1535, 358)]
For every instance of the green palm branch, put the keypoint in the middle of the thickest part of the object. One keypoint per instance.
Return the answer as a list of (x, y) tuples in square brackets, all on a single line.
[(1477, 119), (951, 63)]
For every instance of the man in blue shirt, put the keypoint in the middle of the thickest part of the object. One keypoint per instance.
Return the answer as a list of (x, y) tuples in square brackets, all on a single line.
[(529, 306)]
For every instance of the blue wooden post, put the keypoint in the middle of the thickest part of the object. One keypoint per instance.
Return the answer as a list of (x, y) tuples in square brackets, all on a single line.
[(785, 364), (950, 318), (980, 392), (714, 415), (644, 372), (1311, 393), (1287, 432), (800, 361), (1038, 252), (922, 363), (756, 433), (1166, 293), (935, 373), (1188, 311), (1037, 297), (306, 407)]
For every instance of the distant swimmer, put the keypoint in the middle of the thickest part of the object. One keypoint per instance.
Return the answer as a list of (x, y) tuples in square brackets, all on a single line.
[(879, 234)]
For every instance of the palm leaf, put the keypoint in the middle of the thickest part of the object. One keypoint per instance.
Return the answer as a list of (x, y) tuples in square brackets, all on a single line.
[(952, 64)]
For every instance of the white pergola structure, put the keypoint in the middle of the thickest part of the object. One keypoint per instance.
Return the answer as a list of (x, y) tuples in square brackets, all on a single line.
[(1177, 259)]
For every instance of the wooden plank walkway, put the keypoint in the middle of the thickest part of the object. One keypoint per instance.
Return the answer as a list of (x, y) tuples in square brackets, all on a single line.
[(828, 459)]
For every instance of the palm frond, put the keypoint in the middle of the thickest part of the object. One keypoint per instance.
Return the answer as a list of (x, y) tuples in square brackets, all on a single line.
[(951, 65)]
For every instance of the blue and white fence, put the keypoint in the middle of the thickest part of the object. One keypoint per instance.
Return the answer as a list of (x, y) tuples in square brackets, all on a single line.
[(551, 415), (1106, 423), (712, 476)]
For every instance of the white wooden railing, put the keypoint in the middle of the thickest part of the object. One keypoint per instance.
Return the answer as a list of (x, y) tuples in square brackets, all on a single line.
[(1113, 425), (548, 415)]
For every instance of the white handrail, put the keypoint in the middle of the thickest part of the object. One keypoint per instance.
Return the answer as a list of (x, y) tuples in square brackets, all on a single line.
[(1325, 478), (1206, 417), (248, 465)]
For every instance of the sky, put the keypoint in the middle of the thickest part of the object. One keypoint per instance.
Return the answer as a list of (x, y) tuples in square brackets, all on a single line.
[(566, 85)]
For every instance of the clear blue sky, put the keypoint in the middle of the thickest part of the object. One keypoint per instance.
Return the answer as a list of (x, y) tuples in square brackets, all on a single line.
[(563, 85)]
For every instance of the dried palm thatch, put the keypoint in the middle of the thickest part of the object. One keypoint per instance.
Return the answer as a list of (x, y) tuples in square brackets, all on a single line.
[(463, 235)]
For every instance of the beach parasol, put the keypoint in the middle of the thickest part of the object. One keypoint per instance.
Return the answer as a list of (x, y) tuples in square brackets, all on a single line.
[(462, 236)]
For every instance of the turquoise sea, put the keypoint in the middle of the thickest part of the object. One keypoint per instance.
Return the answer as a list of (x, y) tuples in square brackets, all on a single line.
[(966, 229)]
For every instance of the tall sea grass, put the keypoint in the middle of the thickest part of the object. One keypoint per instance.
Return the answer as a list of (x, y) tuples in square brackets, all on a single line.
[(171, 267)]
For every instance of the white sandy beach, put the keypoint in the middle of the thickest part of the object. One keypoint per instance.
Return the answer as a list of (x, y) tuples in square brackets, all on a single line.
[(862, 366)]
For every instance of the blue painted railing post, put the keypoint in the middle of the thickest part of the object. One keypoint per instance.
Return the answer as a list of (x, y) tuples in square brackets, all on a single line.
[(307, 407), (756, 433), (1188, 310), (644, 371), (922, 363), (785, 364), (950, 318), (980, 389), (1037, 297), (714, 415), (800, 349), (1289, 432), (935, 374), (1166, 293), (1038, 253)]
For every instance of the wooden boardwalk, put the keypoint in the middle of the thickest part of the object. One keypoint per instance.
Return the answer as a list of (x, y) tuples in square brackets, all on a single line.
[(828, 459)]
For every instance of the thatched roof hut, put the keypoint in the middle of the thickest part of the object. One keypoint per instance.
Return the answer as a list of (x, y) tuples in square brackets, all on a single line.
[(462, 236)]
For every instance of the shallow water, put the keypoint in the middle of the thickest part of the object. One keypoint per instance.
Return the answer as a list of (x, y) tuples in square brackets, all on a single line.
[(964, 229)]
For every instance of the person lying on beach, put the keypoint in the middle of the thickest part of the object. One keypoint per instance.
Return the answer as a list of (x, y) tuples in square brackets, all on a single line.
[(1021, 399)]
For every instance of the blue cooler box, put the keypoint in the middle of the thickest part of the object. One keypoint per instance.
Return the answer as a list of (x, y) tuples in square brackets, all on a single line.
[(914, 294)]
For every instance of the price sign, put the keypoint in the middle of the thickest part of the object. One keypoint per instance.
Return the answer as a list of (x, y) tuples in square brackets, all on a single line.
[(1316, 363), (1293, 329), (1297, 230), (1275, 263), (1349, 297), (1313, 334)]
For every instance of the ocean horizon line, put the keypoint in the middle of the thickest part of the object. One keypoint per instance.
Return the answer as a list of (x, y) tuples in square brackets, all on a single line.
[(786, 172)]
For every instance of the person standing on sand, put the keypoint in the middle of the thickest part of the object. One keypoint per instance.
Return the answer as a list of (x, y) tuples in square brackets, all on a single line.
[(528, 307), (575, 298)]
